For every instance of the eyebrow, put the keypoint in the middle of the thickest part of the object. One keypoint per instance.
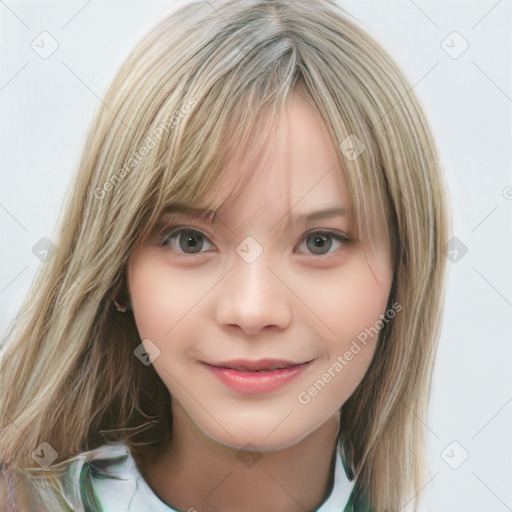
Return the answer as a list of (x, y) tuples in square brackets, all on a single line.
[(209, 214), (194, 212), (333, 211)]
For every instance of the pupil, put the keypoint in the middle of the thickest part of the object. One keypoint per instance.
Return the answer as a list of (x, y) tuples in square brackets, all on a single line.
[(321, 242), (189, 240)]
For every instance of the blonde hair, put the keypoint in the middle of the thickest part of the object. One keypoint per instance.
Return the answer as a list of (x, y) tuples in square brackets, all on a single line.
[(193, 94)]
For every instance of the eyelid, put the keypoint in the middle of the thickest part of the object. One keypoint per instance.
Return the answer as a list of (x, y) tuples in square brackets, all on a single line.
[(329, 231), (339, 236), (168, 231)]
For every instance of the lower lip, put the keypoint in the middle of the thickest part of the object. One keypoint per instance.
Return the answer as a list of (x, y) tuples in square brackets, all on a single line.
[(257, 382)]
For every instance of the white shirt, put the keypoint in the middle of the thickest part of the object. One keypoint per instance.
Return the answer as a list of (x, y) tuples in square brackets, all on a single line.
[(133, 494)]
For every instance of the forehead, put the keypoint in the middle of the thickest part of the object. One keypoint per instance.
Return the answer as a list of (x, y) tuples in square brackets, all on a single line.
[(299, 170)]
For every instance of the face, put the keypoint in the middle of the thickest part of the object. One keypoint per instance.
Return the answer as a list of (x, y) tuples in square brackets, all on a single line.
[(222, 298)]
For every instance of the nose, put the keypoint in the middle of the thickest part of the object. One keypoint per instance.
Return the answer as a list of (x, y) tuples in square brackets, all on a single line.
[(254, 299)]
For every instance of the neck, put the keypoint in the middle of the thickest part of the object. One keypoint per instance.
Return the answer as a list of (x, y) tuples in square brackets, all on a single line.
[(196, 473)]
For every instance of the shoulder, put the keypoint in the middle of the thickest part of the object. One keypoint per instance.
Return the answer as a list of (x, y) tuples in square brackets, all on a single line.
[(357, 503), (105, 478), (80, 481), (107, 461), (7, 498), (16, 494), (116, 483)]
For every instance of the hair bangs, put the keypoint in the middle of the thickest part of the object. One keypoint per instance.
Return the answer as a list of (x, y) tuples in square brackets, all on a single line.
[(192, 161)]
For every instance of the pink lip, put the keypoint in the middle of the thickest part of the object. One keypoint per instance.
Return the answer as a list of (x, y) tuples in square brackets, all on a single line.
[(260, 364), (257, 382)]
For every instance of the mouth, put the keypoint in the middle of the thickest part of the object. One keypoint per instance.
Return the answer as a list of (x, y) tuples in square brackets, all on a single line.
[(262, 365), (253, 377)]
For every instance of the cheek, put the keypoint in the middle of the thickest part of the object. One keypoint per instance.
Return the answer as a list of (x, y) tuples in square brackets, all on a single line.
[(161, 298), (350, 304), (347, 300)]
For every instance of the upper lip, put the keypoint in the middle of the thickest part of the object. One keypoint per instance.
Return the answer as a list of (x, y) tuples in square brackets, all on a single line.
[(260, 364)]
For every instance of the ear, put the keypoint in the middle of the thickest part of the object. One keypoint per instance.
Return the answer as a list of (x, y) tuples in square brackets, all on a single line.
[(120, 296)]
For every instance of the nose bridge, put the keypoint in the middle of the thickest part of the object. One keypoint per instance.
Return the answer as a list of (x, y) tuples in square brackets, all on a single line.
[(253, 279)]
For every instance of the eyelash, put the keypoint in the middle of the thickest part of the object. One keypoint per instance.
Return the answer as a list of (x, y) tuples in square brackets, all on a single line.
[(173, 232)]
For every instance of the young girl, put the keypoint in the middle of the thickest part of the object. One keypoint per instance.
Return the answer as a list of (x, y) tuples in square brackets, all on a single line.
[(242, 309)]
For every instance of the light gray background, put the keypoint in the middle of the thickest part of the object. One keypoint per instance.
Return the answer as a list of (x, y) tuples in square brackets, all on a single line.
[(46, 105)]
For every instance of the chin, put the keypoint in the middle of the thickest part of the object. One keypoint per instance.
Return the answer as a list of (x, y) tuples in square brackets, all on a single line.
[(262, 436)]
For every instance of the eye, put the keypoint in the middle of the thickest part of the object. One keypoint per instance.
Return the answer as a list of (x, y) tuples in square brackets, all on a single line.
[(319, 243), (186, 240)]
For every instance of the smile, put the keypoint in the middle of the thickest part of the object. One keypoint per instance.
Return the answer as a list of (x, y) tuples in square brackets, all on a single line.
[(256, 377)]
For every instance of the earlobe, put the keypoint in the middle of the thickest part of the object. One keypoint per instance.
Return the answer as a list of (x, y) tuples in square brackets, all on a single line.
[(121, 308), (120, 297)]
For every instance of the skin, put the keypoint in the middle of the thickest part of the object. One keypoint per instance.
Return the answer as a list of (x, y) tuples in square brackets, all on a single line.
[(295, 301)]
